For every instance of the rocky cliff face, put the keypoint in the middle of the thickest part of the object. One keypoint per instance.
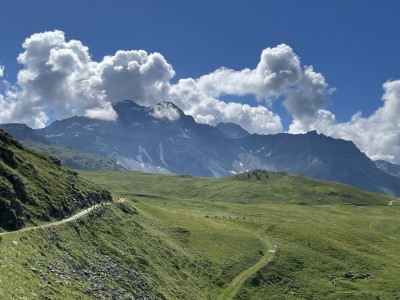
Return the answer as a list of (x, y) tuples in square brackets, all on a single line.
[(35, 187)]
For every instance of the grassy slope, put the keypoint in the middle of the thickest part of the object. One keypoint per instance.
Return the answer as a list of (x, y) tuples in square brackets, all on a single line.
[(325, 246), (34, 187), (279, 188), (101, 256), (179, 237)]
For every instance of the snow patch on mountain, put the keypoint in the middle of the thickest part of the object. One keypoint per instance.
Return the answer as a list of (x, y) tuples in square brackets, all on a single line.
[(162, 154), (55, 135), (131, 164), (143, 151), (91, 126), (184, 135)]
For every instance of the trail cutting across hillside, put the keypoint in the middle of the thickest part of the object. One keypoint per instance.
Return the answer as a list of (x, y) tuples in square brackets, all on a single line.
[(391, 203), (233, 288), (72, 218)]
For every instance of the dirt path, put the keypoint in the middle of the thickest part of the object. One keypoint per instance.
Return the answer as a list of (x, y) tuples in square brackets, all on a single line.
[(233, 288), (74, 217)]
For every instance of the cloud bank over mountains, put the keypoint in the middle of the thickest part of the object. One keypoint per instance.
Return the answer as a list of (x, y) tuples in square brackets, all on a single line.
[(60, 79)]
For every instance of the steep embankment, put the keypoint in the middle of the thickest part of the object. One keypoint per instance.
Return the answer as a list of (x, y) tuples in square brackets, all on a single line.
[(35, 187), (113, 252)]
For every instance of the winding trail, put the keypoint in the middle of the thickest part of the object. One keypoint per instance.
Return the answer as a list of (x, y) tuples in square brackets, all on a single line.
[(233, 288), (72, 218), (393, 201)]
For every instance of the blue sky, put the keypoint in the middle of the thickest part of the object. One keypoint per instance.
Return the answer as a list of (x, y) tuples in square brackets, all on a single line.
[(354, 44)]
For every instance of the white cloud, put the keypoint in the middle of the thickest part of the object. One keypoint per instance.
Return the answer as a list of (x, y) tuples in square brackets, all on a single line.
[(59, 79), (166, 111), (278, 68), (135, 75), (308, 97), (193, 100), (104, 112)]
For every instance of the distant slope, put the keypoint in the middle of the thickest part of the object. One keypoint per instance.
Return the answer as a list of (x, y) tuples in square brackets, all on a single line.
[(144, 141), (253, 187), (35, 187), (317, 156), (388, 167), (69, 157)]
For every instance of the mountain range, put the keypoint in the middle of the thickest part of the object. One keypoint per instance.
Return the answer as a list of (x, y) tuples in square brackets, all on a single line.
[(162, 139)]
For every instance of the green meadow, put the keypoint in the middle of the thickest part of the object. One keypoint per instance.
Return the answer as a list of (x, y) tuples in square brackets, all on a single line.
[(331, 241), (256, 235)]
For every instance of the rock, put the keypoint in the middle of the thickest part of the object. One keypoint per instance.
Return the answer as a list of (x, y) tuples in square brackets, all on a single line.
[(35, 270)]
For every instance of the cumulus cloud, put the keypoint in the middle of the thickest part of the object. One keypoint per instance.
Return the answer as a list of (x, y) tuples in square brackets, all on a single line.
[(135, 75), (308, 97), (104, 112), (195, 101), (277, 70), (58, 79)]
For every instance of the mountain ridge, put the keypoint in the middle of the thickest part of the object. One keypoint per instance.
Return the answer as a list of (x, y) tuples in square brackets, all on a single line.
[(232, 130), (171, 142)]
